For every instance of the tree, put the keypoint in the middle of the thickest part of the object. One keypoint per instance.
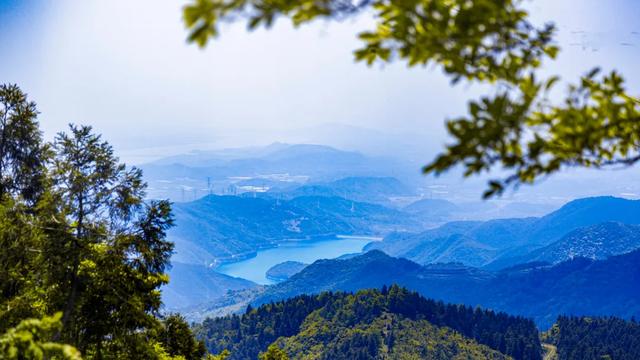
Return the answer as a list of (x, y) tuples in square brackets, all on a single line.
[(114, 245), (20, 275), (23, 154), (273, 353), (79, 240), (222, 356), (518, 130), (23, 159), (178, 340), (30, 341)]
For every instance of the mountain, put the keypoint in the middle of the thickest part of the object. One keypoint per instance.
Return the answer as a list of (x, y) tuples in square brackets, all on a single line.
[(370, 189), (364, 218), (435, 211), (372, 324), (440, 211), (375, 269), (204, 158), (481, 243), (471, 242), (436, 207), (575, 287), (584, 212), (285, 270), (524, 209), (593, 242), (187, 177), (386, 336), (216, 229), (192, 284)]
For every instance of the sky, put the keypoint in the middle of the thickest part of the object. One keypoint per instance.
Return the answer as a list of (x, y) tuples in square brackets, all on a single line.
[(125, 68)]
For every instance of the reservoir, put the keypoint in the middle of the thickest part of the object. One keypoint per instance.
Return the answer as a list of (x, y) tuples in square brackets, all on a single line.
[(254, 269)]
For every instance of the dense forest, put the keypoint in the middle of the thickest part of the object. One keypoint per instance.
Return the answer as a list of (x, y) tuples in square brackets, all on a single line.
[(584, 338), (353, 323)]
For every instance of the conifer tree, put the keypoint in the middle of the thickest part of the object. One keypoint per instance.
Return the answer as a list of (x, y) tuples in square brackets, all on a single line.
[(23, 154), (115, 245)]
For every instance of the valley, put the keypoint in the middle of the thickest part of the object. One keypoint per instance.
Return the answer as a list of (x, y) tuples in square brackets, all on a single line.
[(275, 238)]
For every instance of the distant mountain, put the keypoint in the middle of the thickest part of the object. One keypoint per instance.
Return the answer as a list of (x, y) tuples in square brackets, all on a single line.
[(481, 243), (524, 209), (193, 284), (575, 287), (359, 188), (228, 228), (391, 323), (470, 242), (285, 270), (584, 212), (439, 211), (186, 177), (206, 158), (431, 206), (593, 242)]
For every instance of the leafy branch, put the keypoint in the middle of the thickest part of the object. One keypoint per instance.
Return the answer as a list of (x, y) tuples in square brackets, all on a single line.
[(519, 130)]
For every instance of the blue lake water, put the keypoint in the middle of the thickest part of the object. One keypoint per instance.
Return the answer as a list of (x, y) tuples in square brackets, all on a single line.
[(254, 269)]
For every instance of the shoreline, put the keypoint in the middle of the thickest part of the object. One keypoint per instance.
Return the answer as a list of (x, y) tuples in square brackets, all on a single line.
[(219, 262)]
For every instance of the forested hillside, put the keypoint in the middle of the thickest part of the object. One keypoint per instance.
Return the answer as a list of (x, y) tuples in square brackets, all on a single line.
[(372, 324), (221, 228), (588, 338), (579, 286)]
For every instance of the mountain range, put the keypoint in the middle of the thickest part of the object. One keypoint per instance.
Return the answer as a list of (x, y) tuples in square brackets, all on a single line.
[(187, 177), (439, 211), (576, 287), (593, 242), (491, 243)]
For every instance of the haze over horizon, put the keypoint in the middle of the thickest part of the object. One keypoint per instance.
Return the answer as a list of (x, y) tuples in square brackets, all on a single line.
[(121, 65)]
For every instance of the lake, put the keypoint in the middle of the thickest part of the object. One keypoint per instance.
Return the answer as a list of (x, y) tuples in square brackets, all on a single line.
[(254, 269)]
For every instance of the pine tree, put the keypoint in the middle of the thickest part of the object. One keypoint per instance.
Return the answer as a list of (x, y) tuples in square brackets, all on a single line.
[(23, 154), (114, 242)]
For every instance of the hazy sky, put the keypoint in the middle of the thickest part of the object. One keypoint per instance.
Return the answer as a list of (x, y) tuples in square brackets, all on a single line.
[(123, 66)]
